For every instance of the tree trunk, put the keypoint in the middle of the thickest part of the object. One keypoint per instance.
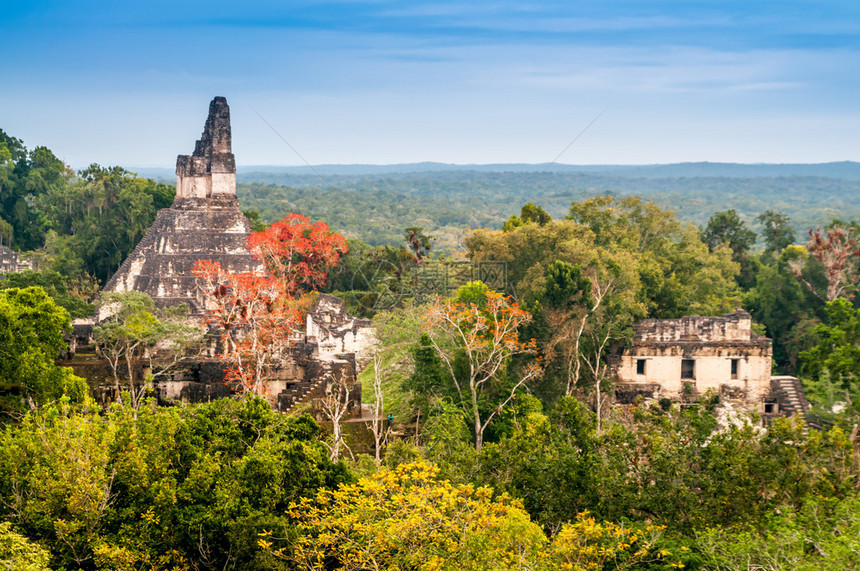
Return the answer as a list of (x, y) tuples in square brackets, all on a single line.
[(479, 431)]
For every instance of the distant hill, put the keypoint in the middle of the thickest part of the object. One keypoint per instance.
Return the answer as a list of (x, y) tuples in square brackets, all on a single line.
[(847, 170)]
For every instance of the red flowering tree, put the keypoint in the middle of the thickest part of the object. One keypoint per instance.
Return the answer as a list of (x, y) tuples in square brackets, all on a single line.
[(297, 252), (258, 316), (836, 249)]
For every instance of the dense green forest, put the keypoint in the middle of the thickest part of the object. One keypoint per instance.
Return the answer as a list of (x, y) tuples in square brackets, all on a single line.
[(495, 445), (375, 208), (79, 224)]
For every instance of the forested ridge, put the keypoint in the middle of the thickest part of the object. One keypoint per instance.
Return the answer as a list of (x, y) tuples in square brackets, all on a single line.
[(495, 444), (373, 208)]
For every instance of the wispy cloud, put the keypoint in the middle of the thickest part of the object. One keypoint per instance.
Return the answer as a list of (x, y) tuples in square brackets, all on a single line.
[(476, 81)]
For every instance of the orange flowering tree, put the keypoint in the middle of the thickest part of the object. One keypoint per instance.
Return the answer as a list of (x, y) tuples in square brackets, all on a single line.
[(297, 252), (483, 327), (258, 316)]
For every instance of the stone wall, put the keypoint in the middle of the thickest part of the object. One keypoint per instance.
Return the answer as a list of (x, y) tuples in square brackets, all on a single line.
[(736, 326), (10, 262), (335, 331), (682, 358)]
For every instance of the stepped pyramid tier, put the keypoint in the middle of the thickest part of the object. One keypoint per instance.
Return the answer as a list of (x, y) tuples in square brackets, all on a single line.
[(204, 223)]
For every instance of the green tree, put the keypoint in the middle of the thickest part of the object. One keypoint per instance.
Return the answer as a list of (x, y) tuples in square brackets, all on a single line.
[(55, 285), (679, 274), (529, 214), (31, 338), (786, 308), (478, 340), (549, 463), (25, 178), (131, 333), (837, 352), (160, 487), (777, 231), (257, 225), (19, 553), (102, 217)]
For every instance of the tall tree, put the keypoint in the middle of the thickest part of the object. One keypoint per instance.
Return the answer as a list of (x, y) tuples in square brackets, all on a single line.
[(678, 273), (257, 323), (777, 231), (786, 307), (297, 252), (485, 334), (837, 352), (727, 229), (258, 315), (836, 249), (133, 334), (102, 217), (26, 177)]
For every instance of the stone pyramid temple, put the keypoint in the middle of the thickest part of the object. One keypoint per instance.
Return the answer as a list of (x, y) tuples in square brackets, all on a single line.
[(204, 223)]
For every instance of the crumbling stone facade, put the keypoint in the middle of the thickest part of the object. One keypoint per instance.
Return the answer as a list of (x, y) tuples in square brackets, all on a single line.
[(10, 262), (204, 223), (332, 328), (308, 374), (682, 358)]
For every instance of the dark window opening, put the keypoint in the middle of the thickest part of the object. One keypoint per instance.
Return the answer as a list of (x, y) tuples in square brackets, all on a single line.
[(735, 368), (640, 366), (688, 368), (769, 407)]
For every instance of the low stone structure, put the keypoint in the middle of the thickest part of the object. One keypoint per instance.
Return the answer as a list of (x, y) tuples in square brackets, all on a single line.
[(334, 330), (10, 262), (204, 223), (681, 358)]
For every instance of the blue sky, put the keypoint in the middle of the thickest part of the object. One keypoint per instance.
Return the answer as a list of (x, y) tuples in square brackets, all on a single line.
[(462, 82)]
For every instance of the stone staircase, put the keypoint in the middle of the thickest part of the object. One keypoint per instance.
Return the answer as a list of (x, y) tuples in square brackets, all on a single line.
[(787, 393), (300, 392)]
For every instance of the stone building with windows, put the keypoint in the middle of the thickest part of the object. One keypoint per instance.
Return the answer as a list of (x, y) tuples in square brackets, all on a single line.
[(681, 358)]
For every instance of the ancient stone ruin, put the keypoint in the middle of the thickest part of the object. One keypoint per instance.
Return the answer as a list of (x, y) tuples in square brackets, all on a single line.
[(680, 359), (204, 223), (10, 262)]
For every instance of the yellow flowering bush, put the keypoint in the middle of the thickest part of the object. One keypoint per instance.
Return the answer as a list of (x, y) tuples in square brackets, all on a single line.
[(587, 544), (407, 518)]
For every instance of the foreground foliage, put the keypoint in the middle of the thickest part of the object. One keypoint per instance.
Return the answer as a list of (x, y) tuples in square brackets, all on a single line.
[(31, 337), (407, 518), (172, 488)]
